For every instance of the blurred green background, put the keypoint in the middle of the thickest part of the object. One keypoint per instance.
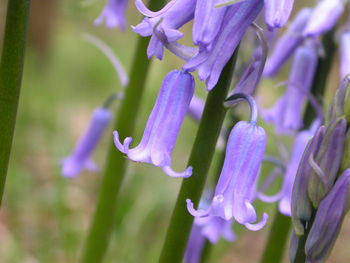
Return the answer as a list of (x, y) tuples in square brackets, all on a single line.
[(44, 217)]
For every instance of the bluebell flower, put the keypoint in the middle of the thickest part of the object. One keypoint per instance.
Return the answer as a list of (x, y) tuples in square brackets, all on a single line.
[(174, 15), (286, 114), (234, 191), (285, 195), (344, 55), (163, 125), (286, 45), (324, 16), (113, 13), (80, 157), (195, 245), (277, 12), (237, 19), (207, 23), (328, 221)]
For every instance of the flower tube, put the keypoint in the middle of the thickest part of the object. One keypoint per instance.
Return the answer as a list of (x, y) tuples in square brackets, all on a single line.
[(328, 221), (277, 12), (236, 21), (80, 157), (113, 14), (163, 124), (324, 17)]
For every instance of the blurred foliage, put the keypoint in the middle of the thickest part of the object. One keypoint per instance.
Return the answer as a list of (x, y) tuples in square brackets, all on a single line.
[(44, 217)]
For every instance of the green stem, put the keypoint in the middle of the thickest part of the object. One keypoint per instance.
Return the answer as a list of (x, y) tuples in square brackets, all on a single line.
[(200, 159), (300, 256), (11, 69), (277, 239), (281, 225), (98, 236)]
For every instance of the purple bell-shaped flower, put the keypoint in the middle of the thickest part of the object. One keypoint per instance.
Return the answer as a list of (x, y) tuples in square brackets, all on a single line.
[(163, 124), (113, 14), (80, 157), (235, 188)]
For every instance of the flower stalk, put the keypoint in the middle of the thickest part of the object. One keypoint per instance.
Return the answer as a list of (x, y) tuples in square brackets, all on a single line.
[(11, 69), (98, 236)]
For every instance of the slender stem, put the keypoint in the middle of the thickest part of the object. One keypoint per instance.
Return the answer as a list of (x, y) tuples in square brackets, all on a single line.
[(11, 69), (98, 236), (275, 243), (300, 256), (279, 235), (200, 159), (252, 105)]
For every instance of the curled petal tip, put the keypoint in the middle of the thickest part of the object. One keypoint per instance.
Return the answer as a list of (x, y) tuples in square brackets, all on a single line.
[(257, 226), (117, 142), (194, 212), (169, 171)]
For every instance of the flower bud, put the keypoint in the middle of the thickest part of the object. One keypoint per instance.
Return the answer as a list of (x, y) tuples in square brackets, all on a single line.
[(328, 221), (327, 161), (301, 204)]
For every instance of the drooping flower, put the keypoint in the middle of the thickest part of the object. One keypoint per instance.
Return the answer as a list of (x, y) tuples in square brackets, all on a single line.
[(324, 17), (285, 195), (286, 114), (173, 16), (277, 12), (233, 193), (286, 45), (113, 13), (328, 221), (344, 54), (163, 124), (237, 19), (207, 23), (80, 157)]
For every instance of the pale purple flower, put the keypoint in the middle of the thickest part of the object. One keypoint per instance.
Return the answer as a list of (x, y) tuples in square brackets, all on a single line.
[(235, 188), (285, 194), (277, 12), (173, 16), (207, 23), (344, 54), (80, 157), (237, 19), (328, 221), (113, 13), (286, 45), (286, 114), (163, 124), (324, 17), (214, 227)]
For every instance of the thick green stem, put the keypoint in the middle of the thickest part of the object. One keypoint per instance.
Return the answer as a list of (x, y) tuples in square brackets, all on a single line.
[(11, 69), (281, 225), (200, 159), (98, 237), (277, 239)]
